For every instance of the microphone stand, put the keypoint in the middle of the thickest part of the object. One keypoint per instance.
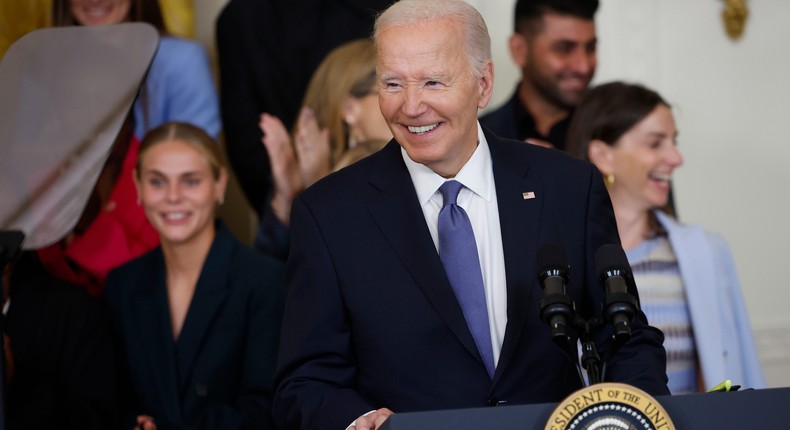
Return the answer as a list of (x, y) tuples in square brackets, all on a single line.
[(559, 312), (590, 358), (10, 244)]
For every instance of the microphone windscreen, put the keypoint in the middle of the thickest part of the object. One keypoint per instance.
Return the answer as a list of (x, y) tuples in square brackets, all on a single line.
[(610, 256), (551, 255)]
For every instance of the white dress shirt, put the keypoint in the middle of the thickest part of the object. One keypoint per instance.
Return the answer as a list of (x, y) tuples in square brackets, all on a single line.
[(478, 199)]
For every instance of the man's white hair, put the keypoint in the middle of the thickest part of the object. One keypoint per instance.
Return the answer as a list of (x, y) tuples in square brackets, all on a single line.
[(409, 12)]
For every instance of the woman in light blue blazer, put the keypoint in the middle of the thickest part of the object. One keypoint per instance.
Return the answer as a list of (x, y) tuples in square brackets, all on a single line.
[(686, 276)]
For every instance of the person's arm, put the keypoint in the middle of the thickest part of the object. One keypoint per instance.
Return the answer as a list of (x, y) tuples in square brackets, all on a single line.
[(316, 369), (191, 94), (272, 236), (291, 174)]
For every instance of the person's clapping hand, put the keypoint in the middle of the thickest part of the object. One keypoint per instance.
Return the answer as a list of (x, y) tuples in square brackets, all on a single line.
[(294, 166), (312, 148), (286, 172)]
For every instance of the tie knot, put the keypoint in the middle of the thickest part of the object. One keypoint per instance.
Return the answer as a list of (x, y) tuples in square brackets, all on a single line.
[(450, 190)]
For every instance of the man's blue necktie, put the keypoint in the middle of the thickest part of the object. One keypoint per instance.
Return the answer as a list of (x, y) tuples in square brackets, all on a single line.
[(458, 252)]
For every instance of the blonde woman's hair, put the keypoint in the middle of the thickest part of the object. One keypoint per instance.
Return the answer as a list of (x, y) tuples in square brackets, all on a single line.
[(349, 69), (192, 135), (477, 41)]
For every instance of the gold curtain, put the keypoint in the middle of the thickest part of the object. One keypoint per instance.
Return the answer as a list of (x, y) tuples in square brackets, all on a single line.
[(18, 17), (179, 17)]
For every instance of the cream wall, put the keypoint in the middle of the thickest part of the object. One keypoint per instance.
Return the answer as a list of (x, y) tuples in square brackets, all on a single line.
[(731, 109), (206, 12)]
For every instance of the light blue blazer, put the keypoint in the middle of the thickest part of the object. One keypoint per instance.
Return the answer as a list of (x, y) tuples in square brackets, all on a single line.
[(723, 335), (179, 87)]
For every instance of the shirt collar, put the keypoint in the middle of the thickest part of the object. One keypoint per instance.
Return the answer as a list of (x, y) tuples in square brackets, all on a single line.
[(527, 129), (475, 174)]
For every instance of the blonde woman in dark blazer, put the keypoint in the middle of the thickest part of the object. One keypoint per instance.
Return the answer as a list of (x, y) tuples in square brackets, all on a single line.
[(199, 316)]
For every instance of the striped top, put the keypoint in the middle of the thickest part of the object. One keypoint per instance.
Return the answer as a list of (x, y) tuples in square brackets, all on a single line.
[(663, 300)]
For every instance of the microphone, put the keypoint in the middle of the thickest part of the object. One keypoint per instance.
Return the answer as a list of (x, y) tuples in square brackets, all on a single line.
[(620, 306), (556, 308)]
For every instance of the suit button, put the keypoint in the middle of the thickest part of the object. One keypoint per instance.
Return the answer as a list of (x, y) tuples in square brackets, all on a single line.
[(493, 401), (201, 390)]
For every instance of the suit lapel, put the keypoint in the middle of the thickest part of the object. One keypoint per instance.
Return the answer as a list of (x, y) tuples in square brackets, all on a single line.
[(210, 294), (520, 199), (398, 214), (156, 335)]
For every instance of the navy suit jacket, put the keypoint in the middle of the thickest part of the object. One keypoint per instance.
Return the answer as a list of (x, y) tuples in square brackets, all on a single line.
[(218, 374), (371, 320)]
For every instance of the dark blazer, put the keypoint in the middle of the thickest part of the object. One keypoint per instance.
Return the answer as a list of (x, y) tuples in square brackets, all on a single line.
[(218, 374), (64, 366), (371, 320)]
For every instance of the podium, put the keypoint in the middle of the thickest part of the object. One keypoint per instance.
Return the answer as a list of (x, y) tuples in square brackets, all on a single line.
[(731, 410)]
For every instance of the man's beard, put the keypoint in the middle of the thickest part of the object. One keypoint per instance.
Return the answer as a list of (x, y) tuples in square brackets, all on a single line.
[(549, 89)]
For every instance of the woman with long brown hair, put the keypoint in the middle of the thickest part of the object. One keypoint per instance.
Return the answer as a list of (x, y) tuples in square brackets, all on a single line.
[(686, 276)]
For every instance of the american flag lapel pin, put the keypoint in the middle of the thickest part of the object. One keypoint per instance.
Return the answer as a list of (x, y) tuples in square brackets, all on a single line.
[(528, 195)]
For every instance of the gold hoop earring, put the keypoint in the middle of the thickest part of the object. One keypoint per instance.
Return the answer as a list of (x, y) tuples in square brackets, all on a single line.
[(609, 179)]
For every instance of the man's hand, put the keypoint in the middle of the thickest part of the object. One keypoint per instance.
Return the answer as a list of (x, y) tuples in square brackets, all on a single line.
[(145, 422), (373, 420)]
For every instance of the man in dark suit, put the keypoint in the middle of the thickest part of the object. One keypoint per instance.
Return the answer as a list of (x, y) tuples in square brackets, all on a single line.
[(554, 45), (373, 322)]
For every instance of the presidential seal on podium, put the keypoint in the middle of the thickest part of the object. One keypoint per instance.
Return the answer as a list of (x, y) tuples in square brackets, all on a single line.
[(609, 406)]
